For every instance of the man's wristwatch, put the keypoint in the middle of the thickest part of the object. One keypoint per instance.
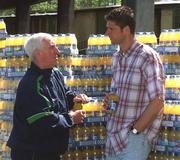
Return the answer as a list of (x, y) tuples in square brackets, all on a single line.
[(134, 130)]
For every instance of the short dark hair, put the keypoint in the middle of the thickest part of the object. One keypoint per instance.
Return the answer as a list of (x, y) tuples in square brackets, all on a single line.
[(122, 16)]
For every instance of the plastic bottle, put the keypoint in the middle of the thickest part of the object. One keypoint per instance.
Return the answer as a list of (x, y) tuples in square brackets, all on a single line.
[(178, 37), (3, 31), (95, 154), (60, 42), (100, 84), (77, 133), (172, 156), (175, 38), (86, 153), (100, 108), (152, 40), (2, 47), (177, 135), (164, 136), (92, 43), (172, 137), (85, 83), (23, 63), (154, 155), (24, 39), (2, 25), (161, 156), (86, 132), (94, 84), (18, 45), (9, 45), (171, 34), (72, 83), (163, 37), (113, 100), (77, 154), (94, 131), (90, 84), (107, 43), (139, 37), (102, 152), (102, 131), (100, 44), (77, 84), (177, 156), (83, 64), (71, 44)]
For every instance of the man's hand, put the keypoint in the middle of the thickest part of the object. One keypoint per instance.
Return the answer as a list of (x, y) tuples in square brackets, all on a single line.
[(81, 98), (108, 97), (77, 116), (106, 101)]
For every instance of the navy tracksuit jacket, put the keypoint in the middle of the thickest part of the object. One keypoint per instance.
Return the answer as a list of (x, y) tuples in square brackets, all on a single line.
[(41, 121)]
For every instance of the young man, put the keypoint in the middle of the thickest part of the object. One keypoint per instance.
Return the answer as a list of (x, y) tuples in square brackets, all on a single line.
[(43, 109), (139, 78)]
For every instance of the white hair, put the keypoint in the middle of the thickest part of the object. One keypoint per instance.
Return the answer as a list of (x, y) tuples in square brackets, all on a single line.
[(35, 42)]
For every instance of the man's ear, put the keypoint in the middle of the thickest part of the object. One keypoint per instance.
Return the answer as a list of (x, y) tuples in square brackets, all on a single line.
[(36, 54), (127, 30)]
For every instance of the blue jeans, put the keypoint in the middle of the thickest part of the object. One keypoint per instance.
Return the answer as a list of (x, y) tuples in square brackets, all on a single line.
[(137, 148)]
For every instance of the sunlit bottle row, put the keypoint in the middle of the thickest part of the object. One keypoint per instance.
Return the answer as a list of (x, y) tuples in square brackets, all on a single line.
[(13, 45), (168, 37), (100, 44), (148, 38), (168, 147)]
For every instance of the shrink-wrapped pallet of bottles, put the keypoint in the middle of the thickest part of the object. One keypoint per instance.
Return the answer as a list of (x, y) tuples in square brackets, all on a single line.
[(168, 146), (91, 74)]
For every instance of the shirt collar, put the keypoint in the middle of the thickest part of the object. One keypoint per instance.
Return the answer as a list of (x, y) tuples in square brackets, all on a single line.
[(132, 50)]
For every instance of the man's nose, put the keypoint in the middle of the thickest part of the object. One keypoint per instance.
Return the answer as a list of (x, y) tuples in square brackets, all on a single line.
[(58, 51), (107, 33)]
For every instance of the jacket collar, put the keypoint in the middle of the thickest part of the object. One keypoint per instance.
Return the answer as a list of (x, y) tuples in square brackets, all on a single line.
[(44, 72)]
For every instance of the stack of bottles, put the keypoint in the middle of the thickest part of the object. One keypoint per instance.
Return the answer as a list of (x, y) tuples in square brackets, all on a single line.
[(5, 106), (3, 34), (81, 64), (148, 38), (92, 85), (168, 146), (100, 44), (67, 43), (89, 74), (13, 65), (88, 139), (169, 50)]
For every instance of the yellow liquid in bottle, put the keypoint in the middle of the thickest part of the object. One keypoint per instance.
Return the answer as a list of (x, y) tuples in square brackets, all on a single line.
[(2, 24)]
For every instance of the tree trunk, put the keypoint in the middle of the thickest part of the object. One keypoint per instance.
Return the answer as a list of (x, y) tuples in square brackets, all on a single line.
[(65, 17)]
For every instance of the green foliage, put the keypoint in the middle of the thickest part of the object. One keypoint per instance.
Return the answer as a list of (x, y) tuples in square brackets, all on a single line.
[(48, 6), (7, 12), (51, 6), (95, 3)]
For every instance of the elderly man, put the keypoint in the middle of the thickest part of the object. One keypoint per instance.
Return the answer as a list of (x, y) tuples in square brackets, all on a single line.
[(43, 108)]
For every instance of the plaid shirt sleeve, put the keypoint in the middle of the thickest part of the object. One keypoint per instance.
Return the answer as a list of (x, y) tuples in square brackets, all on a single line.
[(154, 77)]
